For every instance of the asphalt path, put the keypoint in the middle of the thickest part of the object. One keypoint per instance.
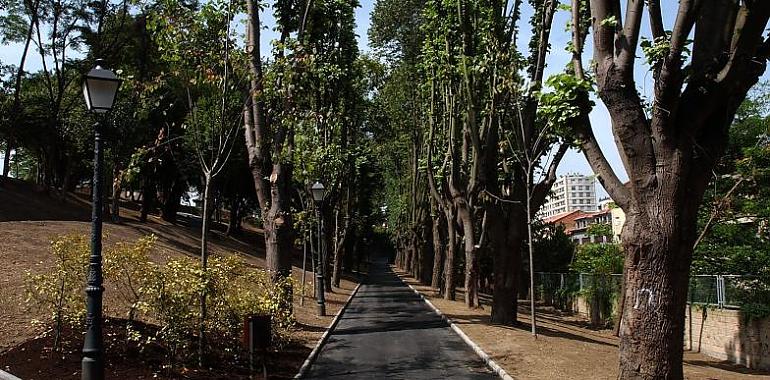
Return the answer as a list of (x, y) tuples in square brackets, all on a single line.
[(388, 332)]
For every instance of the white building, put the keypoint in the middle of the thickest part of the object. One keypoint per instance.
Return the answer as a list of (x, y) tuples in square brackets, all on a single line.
[(569, 193)]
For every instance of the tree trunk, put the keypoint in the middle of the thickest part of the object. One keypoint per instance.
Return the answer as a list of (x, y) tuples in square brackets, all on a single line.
[(416, 256), (273, 190), (408, 252), (148, 198), (471, 262), (438, 251), (7, 158), (657, 262), (171, 203), (277, 251), (234, 222), (449, 261), (116, 185), (339, 250), (506, 235), (204, 264), (427, 252)]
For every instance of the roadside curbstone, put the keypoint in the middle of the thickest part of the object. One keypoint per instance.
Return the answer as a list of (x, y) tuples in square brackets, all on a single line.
[(7, 376), (475, 347), (321, 342)]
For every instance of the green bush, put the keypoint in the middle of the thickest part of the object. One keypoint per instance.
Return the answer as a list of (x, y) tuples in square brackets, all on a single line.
[(599, 260), (60, 289), (167, 295), (129, 268)]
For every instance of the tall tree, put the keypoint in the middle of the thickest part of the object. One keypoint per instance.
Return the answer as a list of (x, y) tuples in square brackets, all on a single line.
[(270, 141), (667, 151), (15, 28)]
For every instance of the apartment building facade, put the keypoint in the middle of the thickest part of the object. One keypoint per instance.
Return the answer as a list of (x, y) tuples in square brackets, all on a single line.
[(569, 193)]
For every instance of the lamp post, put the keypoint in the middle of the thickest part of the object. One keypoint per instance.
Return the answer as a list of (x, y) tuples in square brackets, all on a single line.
[(318, 196), (100, 86)]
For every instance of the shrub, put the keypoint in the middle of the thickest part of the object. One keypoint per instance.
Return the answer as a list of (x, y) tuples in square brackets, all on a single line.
[(60, 289), (234, 290), (129, 268), (173, 296), (168, 295)]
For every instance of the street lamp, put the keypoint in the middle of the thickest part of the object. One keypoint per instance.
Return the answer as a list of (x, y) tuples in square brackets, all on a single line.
[(318, 196), (100, 86)]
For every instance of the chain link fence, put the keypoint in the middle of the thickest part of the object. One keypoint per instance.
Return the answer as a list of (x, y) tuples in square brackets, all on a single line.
[(724, 291)]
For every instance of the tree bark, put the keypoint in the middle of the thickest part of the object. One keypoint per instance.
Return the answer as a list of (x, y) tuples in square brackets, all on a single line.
[(658, 257), (339, 251), (273, 193), (234, 222), (116, 186), (427, 252), (171, 203), (7, 158), (204, 264), (148, 199), (471, 262), (408, 256), (506, 235), (438, 249), (449, 261)]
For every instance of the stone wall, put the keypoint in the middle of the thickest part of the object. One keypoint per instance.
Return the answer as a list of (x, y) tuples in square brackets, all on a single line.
[(725, 334)]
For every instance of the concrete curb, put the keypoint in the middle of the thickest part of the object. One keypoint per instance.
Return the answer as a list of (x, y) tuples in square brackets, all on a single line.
[(475, 347), (7, 376), (317, 349)]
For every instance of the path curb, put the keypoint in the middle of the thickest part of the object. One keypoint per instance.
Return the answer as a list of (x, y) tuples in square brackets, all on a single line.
[(475, 347), (7, 376), (317, 349)]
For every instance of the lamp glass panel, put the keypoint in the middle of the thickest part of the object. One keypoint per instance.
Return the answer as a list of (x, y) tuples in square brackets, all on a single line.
[(101, 93), (318, 192)]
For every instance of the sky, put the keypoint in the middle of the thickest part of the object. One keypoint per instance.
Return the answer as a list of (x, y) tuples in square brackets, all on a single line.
[(573, 161)]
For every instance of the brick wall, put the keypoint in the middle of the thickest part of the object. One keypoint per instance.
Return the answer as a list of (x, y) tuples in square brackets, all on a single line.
[(724, 334)]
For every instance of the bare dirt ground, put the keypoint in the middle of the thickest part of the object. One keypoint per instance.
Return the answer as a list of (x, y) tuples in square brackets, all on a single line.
[(565, 348), (29, 221)]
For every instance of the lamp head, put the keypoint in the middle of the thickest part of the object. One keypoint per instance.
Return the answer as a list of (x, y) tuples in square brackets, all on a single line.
[(100, 87)]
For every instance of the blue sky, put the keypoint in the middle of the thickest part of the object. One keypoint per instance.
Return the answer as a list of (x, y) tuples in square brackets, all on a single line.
[(573, 162)]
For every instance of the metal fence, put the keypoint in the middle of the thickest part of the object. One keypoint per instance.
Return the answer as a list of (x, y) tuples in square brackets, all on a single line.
[(724, 291)]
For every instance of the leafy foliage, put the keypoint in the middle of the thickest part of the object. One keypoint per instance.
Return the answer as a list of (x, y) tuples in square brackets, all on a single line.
[(554, 249), (59, 290), (598, 258), (165, 294)]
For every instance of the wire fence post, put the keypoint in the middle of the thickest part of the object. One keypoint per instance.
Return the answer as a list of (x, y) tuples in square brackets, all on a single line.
[(720, 291)]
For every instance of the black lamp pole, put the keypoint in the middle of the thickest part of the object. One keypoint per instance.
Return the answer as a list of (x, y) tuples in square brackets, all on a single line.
[(319, 274), (93, 352), (100, 86)]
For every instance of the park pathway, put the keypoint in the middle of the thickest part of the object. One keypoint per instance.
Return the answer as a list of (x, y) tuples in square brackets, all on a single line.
[(388, 332)]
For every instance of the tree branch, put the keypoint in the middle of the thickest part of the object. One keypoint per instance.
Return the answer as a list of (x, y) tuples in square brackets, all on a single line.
[(656, 20), (630, 37), (541, 190), (604, 32), (713, 33), (596, 158), (747, 39)]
